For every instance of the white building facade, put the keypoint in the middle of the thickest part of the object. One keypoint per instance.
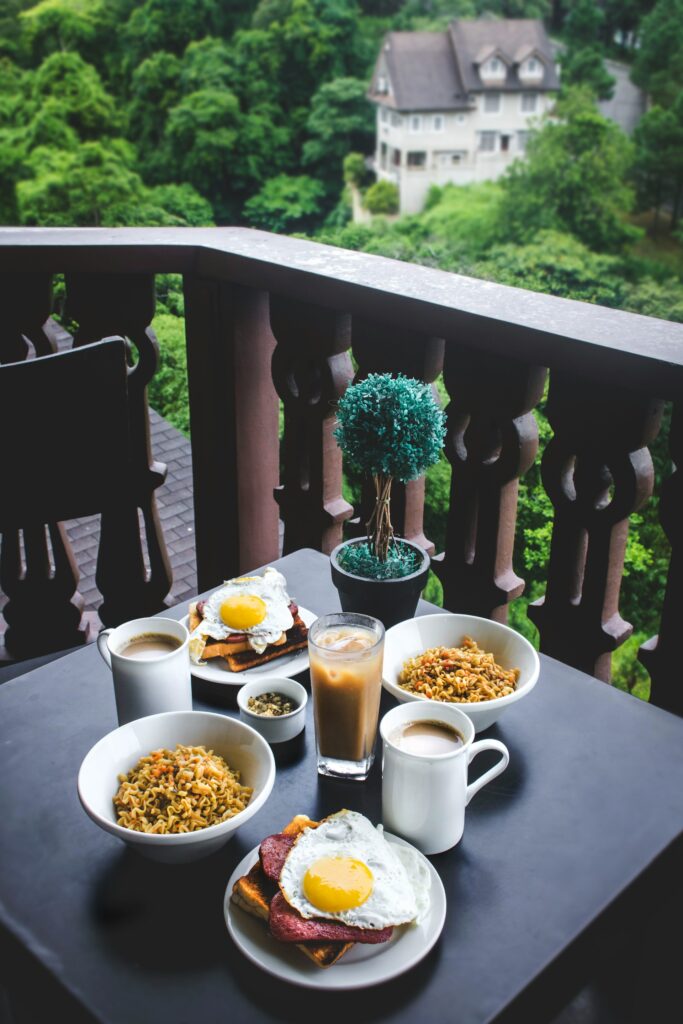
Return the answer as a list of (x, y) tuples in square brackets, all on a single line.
[(457, 106)]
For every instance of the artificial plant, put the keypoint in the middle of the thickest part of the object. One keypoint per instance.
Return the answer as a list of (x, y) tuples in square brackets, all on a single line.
[(389, 428)]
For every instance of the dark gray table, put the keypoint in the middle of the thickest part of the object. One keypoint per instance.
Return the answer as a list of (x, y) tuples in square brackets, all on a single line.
[(575, 841)]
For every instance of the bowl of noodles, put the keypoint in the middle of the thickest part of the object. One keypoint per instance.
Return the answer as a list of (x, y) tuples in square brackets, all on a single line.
[(177, 786), (481, 666)]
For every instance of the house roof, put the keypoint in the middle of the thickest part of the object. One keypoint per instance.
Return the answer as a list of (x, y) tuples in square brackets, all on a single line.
[(422, 71), (440, 70), (514, 39)]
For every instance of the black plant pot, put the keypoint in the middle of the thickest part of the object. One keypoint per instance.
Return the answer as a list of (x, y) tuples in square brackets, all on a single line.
[(390, 601)]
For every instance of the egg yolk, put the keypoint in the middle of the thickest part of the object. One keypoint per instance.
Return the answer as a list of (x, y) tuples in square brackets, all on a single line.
[(242, 611), (333, 884)]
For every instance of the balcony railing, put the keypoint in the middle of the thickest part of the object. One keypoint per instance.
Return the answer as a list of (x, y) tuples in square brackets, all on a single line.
[(270, 316)]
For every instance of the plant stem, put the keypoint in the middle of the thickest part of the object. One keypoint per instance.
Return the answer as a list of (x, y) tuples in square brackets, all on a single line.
[(380, 530)]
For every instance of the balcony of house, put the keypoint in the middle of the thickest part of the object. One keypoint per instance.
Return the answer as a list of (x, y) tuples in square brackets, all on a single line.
[(281, 322)]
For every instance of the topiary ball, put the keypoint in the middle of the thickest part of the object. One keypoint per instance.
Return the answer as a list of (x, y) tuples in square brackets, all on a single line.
[(391, 426)]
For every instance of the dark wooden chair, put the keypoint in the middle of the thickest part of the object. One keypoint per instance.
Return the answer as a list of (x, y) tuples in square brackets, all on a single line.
[(74, 444)]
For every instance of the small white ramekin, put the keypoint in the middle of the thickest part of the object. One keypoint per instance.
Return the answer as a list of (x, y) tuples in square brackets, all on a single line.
[(283, 727)]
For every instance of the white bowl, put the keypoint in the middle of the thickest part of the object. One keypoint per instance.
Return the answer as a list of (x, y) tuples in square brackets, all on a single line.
[(120, 750), (410, 638), (284, 727)]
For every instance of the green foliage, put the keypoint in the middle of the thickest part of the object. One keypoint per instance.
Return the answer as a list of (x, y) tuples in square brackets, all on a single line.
[(96, 185), (167, 389), (573, 180), (658, 166), (354, 169), (390, 426), (382, 197), (658, 66), (558, 264), (467, 218), (76, 86), (341, 120), (582, 61), (285, 203)]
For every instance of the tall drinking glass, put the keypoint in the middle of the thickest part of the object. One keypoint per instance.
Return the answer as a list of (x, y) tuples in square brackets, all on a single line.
[(346, 651)]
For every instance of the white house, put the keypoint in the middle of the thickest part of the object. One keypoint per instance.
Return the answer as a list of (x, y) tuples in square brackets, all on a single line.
[(455, 106)]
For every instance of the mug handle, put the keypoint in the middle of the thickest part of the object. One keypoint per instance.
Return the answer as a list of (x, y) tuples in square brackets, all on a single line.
[(102, 645), (499, 767)]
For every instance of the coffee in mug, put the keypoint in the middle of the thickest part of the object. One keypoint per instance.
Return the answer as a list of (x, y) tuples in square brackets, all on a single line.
[(150, 645), (150, 664), (425, 737), (427, 747)]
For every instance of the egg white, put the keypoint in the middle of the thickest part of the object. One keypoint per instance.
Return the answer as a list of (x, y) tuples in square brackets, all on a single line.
[(271, 588), (400, 892)]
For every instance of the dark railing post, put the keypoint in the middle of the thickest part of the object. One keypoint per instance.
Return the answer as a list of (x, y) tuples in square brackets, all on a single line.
[(597, 470), (380, 348), (661, 654), (123, 304), (233, 419), (492, 440), (45, 575), (311, 369)]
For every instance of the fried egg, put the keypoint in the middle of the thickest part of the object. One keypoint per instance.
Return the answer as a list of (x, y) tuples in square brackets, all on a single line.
[(256, 606), (345, 870)]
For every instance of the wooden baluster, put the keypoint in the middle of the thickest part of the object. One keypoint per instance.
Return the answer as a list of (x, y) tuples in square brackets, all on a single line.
[(660, 654), (379, 348), (596, 470), (26, 303), (123, 304), (46, 577), (234, 423), (491, 441), (311, 369)]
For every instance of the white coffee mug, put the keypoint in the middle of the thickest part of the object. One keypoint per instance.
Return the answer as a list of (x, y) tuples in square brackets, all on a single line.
[(424, 796), (148, 686)]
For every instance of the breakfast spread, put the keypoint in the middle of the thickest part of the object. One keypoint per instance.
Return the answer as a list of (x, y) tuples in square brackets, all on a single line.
[(247, 622), (271, 705), (180, 790), (463, 674), (324, 886)]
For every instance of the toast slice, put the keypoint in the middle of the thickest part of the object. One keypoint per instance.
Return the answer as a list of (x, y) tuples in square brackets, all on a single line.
[(253, 893)]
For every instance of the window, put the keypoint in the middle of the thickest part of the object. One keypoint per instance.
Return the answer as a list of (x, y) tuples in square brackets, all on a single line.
[(522, 139), (381, 83), (384, 114), (492, 102), (416, 123), (460, 118), (532, 66), (417, 159), (438, 123), (383, 155), (396, 120), (493, 68), (487, 142), (396, 157), (529, 100), (448, 158)]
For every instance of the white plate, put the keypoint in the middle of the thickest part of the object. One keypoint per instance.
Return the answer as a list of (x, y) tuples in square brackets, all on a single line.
[(362, 966), (288, 665)]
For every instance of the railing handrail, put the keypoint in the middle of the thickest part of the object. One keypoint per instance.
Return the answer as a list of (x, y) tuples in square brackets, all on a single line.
[(619, 347)]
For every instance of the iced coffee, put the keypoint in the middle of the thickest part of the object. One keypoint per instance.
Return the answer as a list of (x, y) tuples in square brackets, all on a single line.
[(345, 651)]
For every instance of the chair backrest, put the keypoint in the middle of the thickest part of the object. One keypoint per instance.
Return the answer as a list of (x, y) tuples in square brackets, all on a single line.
[(65, 428)]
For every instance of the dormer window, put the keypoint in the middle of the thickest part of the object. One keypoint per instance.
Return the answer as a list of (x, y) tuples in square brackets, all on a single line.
[(382, 84), (531, 70), (493, 70)]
